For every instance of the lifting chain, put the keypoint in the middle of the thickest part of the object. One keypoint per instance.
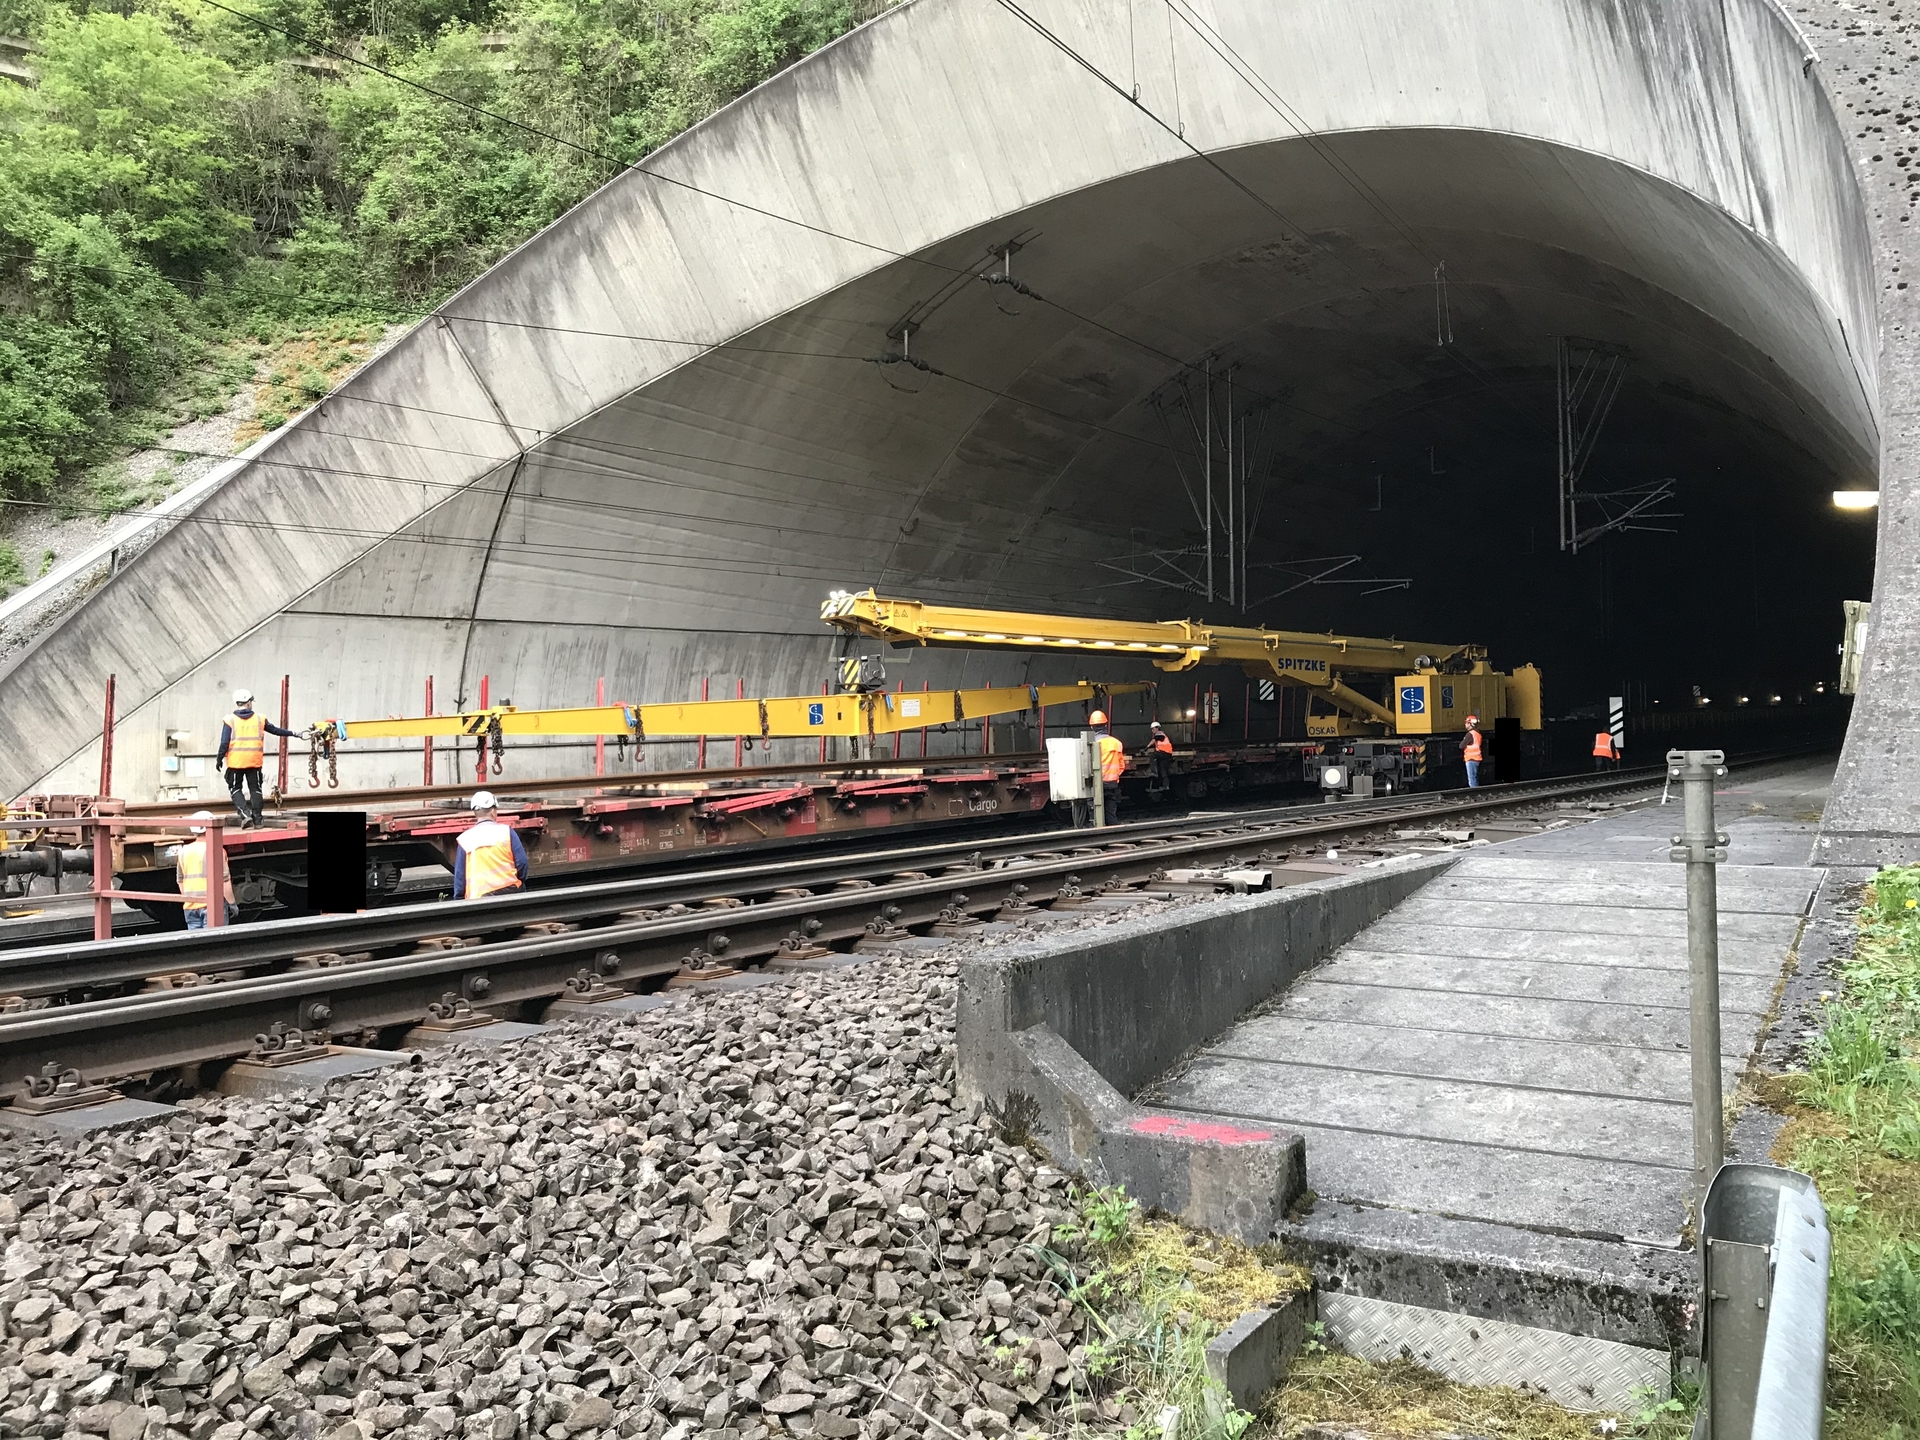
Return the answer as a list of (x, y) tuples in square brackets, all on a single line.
[(499, 739), (320, 741)]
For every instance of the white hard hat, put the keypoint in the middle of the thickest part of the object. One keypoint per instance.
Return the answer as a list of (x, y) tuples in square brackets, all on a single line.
[(200, 815), (243, 696), (483, 800)]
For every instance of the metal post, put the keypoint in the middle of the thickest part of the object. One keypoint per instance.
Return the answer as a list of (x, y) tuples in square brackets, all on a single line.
[(1207, 445), (426, 745), (102, 878), (1701, 848), (823, 739), (216, 874), (739, 693), (898, 687), (286, 741), (700, 746), (106, 741), (1092, 739), (926, 689)]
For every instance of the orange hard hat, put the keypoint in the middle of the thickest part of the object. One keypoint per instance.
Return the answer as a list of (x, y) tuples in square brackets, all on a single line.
[(1098, 717), (1473, 719)]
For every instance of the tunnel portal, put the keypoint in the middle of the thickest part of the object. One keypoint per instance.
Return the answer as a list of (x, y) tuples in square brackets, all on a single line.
[(983, 302)]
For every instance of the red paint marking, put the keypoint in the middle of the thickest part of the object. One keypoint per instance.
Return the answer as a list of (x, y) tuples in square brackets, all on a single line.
[(1175, 1128)]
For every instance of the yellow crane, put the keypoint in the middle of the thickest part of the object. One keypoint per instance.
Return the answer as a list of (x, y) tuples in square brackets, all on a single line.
[(1434, 687)]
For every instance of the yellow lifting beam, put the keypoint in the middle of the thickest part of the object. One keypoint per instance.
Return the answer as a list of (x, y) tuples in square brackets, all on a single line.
[(1292, 657), (876, 712)]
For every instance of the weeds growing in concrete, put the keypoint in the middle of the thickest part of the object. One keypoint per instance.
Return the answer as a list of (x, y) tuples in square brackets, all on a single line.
[(1158, 1293)]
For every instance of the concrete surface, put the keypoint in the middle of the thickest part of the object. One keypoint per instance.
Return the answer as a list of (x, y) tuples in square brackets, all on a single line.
[(1510, 1045), (1872, 70), (645, 443), (500, 1032), (1052, 1033), (1135, 996), (88, 1120), (1251, 1356), (342, 1062)]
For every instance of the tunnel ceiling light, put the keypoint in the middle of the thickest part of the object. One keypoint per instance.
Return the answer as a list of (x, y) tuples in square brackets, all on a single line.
[(1856, 499)]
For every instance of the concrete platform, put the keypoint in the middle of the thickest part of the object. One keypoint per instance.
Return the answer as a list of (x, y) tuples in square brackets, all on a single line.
[(1508, 1049)]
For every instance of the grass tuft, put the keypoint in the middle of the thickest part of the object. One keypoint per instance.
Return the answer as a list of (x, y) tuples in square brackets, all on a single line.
[(1854, 1125)]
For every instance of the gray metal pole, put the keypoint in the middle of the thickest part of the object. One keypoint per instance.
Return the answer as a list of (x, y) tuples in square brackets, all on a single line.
[(1701, 848), (1099, 780)]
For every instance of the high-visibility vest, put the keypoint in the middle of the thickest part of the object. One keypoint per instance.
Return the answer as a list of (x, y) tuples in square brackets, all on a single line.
[(490, 867), (1603, 746), (1113, 759), (1162, 744), (1471, 750), (190, 870), (246, 741)]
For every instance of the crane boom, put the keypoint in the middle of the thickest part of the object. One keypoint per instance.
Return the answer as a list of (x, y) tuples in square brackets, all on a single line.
[(867, 714), (1291, 657)]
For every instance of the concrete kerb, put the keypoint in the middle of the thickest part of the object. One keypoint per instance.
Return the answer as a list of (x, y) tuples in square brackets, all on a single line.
[(1055, 1035)]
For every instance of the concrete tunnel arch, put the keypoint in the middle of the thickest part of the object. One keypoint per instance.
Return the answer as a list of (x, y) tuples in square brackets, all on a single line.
[(645, 443)]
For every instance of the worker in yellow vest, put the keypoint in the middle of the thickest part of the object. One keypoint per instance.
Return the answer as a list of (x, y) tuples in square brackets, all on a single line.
[(190, 874), (243, 753), (1473, 749), (488, 858), (1605, 752)]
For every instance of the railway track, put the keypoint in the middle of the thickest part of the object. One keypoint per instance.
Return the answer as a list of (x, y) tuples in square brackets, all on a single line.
[(161, 1003)]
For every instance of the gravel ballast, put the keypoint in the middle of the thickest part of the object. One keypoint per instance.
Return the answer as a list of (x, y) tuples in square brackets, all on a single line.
[(749, 1213)]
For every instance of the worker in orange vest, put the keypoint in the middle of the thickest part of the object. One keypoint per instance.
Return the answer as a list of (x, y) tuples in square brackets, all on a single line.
[(1161, 749), (1604, 750), (1113, 755), (243, 752), (1473, 750), (190, 874), (488, 858)]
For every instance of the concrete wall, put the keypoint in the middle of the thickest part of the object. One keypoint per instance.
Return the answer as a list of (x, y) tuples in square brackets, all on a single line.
[(1873, 813), (1135, 997), (646, 443)]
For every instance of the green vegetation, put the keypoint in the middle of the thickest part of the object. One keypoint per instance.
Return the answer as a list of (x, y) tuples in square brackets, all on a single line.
[(183, 182), (1855, 1128), (1156, 1293)]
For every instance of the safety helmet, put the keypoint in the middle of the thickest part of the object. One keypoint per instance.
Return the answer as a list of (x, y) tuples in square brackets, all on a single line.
[(243, 696), (483, 800), (1473, 719), (1155, 725), (200, 815), (1098, 717)]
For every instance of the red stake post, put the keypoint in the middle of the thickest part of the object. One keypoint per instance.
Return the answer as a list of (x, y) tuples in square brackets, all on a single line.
[(106, 741), (426, 745), (102, 878)]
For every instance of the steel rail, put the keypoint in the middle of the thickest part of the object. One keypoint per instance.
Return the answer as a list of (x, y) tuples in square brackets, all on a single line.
[(142, 1034), (80, 967)]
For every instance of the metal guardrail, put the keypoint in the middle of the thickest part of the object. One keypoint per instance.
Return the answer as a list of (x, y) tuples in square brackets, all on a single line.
[(1765, 1253)]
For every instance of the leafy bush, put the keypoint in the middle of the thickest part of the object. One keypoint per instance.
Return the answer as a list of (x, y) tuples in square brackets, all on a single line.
[(173, 182)]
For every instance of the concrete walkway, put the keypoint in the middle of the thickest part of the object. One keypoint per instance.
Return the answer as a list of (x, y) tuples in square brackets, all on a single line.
[(1510, 1045)]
